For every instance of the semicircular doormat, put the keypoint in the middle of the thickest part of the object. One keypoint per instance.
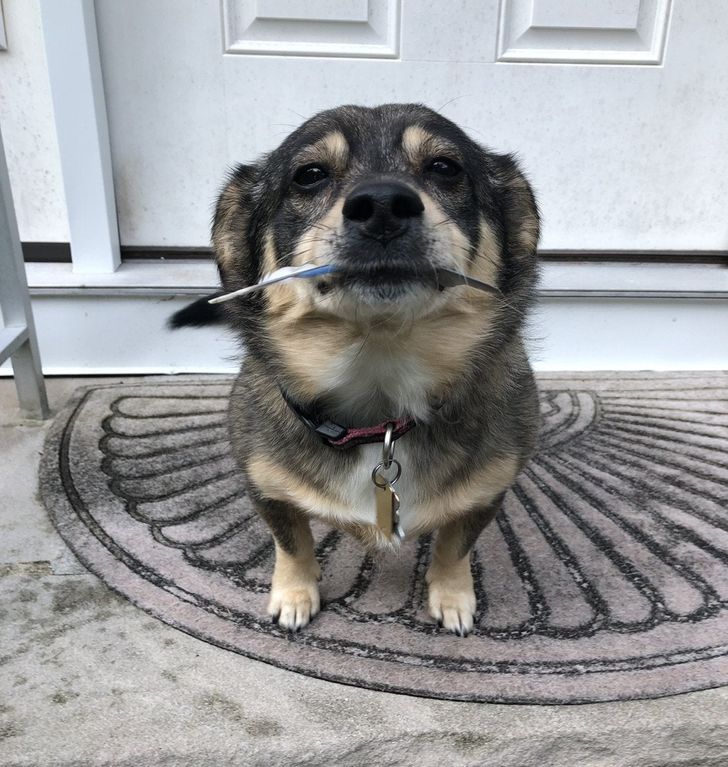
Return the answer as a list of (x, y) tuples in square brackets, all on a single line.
[(605, 577)]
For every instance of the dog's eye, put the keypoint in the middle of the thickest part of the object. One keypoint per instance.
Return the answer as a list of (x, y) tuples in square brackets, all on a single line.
[(443, 166), (310, 175)]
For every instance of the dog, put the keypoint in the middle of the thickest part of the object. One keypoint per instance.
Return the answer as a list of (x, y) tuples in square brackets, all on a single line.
[(378, 351)]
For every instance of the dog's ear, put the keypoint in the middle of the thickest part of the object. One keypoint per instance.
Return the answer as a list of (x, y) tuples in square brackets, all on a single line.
[(521, 225), (231, 227)]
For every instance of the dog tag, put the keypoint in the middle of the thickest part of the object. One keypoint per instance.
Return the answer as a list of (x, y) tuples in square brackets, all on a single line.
[(387, 500), (387, 509)]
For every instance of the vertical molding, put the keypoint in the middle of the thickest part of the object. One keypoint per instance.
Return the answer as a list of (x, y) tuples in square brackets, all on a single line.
[(74, 70)]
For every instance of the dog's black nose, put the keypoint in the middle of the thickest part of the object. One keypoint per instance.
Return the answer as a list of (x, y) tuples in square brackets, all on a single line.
[(382, 209)]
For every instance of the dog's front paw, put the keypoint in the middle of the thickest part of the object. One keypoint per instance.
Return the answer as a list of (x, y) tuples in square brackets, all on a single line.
[(293, 605), (451, 602)]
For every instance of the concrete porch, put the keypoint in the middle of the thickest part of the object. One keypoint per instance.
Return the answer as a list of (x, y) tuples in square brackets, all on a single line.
[(89, 679)]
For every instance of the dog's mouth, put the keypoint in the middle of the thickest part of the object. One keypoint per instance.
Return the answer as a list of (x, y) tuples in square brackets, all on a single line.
[(390, 282), (384, 281)]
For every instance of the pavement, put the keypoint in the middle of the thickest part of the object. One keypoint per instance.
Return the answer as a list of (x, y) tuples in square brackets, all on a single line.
[(88, 679)]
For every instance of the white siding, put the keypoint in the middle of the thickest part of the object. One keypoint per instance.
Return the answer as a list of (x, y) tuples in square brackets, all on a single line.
[(26, 115)]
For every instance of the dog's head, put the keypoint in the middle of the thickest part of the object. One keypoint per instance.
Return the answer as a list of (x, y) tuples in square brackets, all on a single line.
[(386, 195)]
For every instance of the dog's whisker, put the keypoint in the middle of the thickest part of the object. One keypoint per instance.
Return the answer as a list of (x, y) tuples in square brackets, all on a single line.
[(322, 227), (443, 222), (453, 100)]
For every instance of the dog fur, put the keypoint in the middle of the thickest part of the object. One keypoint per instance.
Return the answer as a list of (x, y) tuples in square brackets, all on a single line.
[(379, 341)]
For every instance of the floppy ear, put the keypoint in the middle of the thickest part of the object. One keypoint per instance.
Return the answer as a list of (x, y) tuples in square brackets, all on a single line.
[(521, 225), (231, 229)]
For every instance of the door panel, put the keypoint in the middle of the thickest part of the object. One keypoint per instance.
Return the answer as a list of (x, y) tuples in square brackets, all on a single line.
[(598, 31), (368, 28), (624, 155)]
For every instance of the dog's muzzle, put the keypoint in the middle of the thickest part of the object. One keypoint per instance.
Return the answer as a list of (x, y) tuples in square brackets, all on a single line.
[(382, 253)]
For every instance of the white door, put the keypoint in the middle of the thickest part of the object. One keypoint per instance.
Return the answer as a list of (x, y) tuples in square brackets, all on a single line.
[(617, 108)]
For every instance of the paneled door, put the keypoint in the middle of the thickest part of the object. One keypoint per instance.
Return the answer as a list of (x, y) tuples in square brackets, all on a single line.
[(617, 108)]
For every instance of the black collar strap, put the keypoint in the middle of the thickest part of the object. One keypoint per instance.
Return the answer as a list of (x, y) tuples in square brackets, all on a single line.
[(342, 437)]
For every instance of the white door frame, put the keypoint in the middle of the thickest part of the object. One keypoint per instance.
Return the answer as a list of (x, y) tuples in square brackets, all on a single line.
[(79, 106)]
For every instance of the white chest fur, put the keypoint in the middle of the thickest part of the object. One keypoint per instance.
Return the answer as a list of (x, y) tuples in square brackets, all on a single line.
[(351, 494), (358, 382), (363, 386), (357, 485)]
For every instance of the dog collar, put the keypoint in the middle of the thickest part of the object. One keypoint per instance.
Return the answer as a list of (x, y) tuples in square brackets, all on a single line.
[(343, 437)]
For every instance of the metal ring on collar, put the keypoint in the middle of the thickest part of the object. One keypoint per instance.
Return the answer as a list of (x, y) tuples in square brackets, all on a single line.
[(380, 481), (388, 446)]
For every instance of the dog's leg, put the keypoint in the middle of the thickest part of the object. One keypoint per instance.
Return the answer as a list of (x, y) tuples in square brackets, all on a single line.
[(451, 597), (294, 593)]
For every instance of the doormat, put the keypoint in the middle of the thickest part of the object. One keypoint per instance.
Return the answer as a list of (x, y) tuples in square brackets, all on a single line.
[(605, 576)]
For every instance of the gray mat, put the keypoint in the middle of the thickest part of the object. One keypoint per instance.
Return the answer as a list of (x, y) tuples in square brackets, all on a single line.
[(604, 578)]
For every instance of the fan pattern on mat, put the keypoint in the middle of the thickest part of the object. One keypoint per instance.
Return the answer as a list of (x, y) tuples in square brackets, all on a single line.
[(618, 523)]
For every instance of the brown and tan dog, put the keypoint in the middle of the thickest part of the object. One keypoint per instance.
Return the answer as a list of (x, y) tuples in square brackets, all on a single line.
[(386, 195)]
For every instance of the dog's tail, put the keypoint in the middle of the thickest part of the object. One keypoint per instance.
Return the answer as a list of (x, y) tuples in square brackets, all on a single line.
[(198, 314)]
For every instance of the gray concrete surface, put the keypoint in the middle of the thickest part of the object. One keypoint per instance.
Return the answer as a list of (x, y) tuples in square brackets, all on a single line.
[(88, 679)]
